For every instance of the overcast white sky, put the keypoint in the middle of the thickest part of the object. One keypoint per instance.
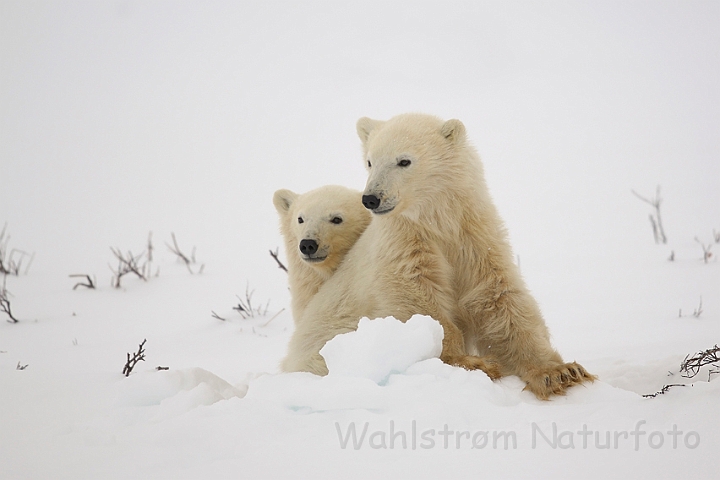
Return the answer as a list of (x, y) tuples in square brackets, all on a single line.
[(117, 118)]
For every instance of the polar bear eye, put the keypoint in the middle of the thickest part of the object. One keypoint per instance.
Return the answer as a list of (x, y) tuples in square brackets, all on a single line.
[(337, 220), (404, 162), (300, 220), (369, 164)]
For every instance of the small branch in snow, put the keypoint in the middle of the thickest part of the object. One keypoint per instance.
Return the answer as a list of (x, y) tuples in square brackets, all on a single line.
[(91, 282), (655, 220), (159, 368), (696, 313), (5, 303), (691, 365), (706, 250), (21, 367), (275, 256), (245, 308), (215, 315), (128, 264), (136, 357), (664, 389), (182, 257), (11, 261), (273, 318), (150, 249)]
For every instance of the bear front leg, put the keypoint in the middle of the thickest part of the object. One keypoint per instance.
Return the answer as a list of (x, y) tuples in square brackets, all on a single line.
[(453, 351), (304, 351), (426, 289), (471, 362), (314, 363), (517, 336)]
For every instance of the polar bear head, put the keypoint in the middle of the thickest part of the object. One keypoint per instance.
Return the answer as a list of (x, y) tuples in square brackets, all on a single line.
[(320, 226), (414, 163)]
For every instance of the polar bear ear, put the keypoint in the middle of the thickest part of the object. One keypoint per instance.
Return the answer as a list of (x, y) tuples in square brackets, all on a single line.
[(365, 126), (453, 130), (283, 200)]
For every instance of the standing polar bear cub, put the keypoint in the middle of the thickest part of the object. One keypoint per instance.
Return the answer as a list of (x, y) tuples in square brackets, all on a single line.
[(436, 246), (319, 227)]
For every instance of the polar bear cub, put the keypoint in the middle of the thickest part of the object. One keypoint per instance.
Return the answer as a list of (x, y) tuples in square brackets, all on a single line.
[(319, 227), (425, 177), (436, 246)]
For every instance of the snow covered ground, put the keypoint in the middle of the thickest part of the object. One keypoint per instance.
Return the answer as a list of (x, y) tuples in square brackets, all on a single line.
[(122, 118)]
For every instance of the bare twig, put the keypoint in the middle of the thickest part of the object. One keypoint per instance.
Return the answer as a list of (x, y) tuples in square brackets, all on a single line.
[(21, 367), (15, 261), (12, 261), (128, 264), (245, 308), (242, 308), (664, 389), (5, 303), (159, 368), (656, 220), (706, 250), (150, 248), (215, 315), (654, 226), (273, 318), (698, 311), (4, 268), (136, 357), (275, 256), (691, 365), (91, 282), (184, 258)]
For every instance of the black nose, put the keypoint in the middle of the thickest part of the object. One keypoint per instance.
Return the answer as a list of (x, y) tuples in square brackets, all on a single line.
[(371, 202), (308, 247)]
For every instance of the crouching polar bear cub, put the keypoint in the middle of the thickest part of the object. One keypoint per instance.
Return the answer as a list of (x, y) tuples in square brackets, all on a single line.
[(435, 246), (319, 227)]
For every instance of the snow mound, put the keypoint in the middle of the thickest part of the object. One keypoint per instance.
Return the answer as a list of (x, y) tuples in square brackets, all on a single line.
[(382, 347), (176, 391), (390, 366)]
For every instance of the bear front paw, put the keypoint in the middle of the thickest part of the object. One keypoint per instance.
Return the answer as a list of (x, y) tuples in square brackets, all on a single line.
[(556, 379), (471, 362)]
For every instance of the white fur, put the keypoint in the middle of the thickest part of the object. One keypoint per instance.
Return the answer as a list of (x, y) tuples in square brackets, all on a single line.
[(436, 246), (318, 208)]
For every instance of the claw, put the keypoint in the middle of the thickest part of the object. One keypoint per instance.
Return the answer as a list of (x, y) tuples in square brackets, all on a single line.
[(556, 379)]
